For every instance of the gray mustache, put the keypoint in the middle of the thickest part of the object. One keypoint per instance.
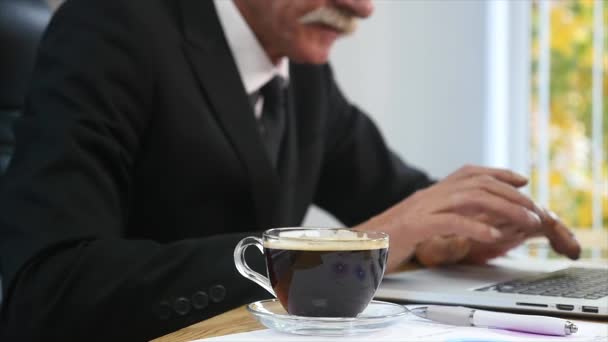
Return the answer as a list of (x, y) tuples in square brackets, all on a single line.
[(331, 17)]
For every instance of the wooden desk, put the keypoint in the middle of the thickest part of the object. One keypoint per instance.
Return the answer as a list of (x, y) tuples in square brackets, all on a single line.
[(234, 321)]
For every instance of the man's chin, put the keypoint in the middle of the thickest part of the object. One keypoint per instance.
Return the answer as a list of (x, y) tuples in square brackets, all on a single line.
[(316, 56)]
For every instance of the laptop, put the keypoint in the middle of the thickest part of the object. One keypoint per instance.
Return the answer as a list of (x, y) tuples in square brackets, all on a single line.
[(511, 285)]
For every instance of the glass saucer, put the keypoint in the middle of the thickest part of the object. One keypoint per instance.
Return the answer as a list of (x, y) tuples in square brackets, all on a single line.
[(376, 316)]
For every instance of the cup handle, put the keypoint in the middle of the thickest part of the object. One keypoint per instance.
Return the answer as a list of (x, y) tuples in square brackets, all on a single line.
[(244, 269)]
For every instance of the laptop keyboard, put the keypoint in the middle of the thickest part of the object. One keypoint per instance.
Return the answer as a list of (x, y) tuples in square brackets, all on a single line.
[(572, 282)]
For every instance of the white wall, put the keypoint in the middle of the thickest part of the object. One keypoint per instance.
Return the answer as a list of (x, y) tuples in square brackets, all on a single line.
[(418, 68)]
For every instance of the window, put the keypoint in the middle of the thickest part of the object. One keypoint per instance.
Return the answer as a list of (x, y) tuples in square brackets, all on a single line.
[(569, 116), (547, 110)]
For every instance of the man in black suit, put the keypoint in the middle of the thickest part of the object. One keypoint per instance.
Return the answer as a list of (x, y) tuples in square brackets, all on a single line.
[(159, 133)]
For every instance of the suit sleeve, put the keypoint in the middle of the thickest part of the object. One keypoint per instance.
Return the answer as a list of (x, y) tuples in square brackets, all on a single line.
[(68, 272), (361, 175)]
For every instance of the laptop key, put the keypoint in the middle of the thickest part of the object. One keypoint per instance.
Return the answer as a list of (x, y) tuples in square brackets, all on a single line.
[(594, 296), (574, 295), (506, 288), (533, 291)]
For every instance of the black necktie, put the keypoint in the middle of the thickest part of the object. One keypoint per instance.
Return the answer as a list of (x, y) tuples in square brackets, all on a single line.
[(272, 121)]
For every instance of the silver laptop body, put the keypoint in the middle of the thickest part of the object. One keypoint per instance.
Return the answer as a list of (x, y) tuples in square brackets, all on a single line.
[(475, 286)]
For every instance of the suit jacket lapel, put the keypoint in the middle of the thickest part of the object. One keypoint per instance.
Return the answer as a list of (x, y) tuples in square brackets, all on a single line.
[(214, 66)]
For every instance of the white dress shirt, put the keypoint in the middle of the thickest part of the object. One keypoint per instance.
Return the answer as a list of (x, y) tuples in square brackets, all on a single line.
[(252, 62)]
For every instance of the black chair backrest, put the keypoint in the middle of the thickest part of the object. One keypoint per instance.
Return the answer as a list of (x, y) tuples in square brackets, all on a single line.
[(22, 23)]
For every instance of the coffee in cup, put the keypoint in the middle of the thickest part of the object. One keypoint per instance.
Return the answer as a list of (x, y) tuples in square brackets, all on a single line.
[(319, 272)]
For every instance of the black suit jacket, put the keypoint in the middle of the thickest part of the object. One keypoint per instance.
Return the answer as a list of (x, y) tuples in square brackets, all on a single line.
[(138, 167)]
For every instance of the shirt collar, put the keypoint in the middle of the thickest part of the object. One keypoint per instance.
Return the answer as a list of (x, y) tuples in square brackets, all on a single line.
[(254, 66)]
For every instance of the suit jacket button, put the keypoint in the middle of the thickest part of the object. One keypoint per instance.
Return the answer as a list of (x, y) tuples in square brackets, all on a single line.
[(200, 300), (164, 310), (217, 293), (181, 306)]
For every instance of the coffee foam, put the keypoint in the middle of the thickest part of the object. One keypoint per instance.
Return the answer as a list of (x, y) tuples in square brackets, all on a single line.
[(315, 240)]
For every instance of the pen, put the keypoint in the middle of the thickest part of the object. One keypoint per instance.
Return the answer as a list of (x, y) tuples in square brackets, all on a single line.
[(458, 315)]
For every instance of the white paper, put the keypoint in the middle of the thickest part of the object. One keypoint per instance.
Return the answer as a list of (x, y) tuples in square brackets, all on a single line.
[(412, 328)]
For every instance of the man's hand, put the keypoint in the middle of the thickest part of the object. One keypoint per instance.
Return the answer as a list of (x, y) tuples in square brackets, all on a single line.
[(560, 237), (476, 214), (452, 249)]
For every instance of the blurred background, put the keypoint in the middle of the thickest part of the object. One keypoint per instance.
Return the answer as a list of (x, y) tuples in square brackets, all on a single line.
[(517, 84)]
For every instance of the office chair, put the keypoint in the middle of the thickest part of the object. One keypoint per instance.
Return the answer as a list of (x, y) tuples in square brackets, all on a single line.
[(22, 23)]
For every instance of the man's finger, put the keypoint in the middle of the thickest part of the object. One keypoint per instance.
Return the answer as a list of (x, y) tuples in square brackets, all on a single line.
[(502, 189), (503, 175), (560, 237), (454, 224), (498, 210), (442, 250), (482, 252)]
